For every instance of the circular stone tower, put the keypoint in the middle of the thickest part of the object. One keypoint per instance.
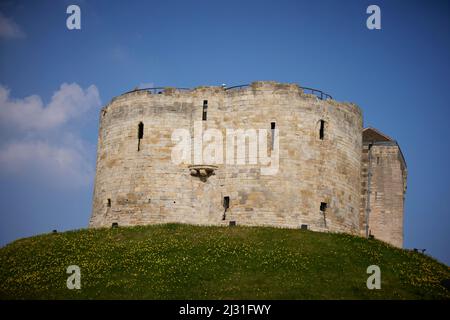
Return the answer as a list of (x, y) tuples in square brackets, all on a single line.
[(261, 154)]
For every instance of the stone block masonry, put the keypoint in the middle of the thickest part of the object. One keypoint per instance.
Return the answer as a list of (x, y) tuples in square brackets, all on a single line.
[(319, 182)]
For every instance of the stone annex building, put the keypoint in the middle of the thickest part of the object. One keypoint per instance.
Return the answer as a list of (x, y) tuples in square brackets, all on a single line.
[(332, 175)]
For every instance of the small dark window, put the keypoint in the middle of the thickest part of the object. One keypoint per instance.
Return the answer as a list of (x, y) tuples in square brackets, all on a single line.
[(232, 223), (304, 227), (322, 129), (140, 130), (114, 225), (226, 202), (272, 127), (323, 206), (205, 109), (378, 160), (140, 134), (108, 204)]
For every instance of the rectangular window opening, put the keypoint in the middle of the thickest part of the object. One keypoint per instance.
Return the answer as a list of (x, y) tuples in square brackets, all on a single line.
[(140, 134), (304, 227), (205, 109), (226, 202), (108, 203), (323, 206), (322, 129), (140, 130), (272, 127)]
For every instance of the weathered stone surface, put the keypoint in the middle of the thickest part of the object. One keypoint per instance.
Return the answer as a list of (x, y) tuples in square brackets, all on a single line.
[(387, 187), (146, 187)]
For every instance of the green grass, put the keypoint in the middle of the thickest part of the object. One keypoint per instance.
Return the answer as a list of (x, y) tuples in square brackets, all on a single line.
[(191, 262)]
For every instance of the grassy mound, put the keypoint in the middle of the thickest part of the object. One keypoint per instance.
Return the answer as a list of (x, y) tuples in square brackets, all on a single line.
[(191, 262)]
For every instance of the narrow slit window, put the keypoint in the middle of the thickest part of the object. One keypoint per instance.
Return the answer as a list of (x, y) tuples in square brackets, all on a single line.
[(378, 160), (226, 205), (323, 206), (140, 134), (272, 128), (322, 129), (108, 203), (205, 109), (140, 130), (226, 202)]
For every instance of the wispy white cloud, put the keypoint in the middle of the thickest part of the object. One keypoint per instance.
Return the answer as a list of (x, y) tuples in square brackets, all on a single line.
[(10, 29), (55, 163), (35, 150), (69, 102)]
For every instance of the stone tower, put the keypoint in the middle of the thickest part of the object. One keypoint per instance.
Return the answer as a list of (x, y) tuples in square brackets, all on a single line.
[(383, 187), (313, 142)]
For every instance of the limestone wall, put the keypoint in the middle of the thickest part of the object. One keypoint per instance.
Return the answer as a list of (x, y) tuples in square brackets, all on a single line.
[(387, 189), (146, 187)]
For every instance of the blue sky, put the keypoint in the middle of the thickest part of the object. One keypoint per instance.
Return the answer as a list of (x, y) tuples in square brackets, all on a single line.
[(53, 82)]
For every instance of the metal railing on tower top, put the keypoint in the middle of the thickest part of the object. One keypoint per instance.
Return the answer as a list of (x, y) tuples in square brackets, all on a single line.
[(319, 93), (159, 90)]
